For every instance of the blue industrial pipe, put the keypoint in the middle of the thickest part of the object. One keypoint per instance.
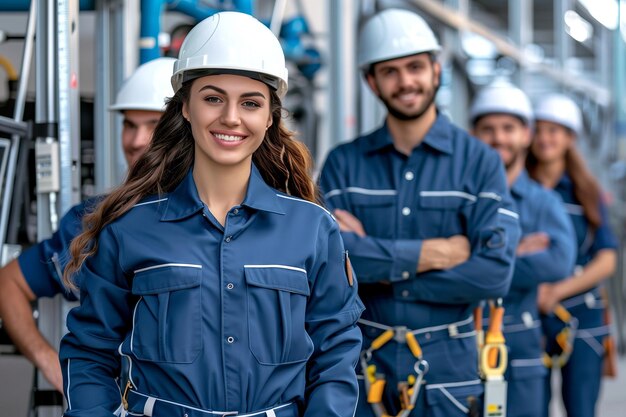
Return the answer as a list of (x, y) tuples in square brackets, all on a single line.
[(244, 6), (24, 5), (150, 25), (192, 8)]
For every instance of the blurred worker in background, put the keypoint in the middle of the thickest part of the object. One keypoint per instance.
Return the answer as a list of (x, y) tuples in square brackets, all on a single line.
[(211, 270), (38, 271), (430, 227), (501, 116), (555, 162)]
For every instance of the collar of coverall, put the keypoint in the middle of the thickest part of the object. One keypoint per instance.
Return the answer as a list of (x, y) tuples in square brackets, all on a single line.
[(185, 201), (437, 138)]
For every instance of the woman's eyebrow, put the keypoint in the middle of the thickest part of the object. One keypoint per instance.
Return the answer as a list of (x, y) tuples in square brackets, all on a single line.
[(221, 91)]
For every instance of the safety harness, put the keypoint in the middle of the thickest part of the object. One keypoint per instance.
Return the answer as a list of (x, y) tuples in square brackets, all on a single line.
[(565, 338), (493, 359), (375, 382)]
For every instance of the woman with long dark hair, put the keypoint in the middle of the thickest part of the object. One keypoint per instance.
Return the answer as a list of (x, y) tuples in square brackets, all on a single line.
[(211, 270), (555, 162)]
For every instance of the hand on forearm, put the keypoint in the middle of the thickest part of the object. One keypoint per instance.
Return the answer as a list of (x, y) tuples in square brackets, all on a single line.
[(443, 253), (532, 243), (349, 223)]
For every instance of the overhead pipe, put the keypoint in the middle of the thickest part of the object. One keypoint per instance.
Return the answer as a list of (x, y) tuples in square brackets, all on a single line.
[(150, 25), (24, 5), (450, 17)]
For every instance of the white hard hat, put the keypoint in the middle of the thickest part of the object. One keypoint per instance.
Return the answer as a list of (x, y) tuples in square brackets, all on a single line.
[(394, 33), (232, 42), (503, 98), (560, 109), (147, 88)]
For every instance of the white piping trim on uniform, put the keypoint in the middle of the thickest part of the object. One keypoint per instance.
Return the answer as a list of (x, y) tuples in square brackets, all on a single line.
[(450, 193), (150, 202), (148, 407), (508, 213), (356, 403), (67, 393), (454, 401), (120, 410), (304, 201), (581, 299), (293, 268), (593, 331), (591, 341), (527, 362), (223, 413), (491, 195), (166, 265), (130, 360), (454, 384), (520, 327), (574, 209), (359, 190), (132, 336)]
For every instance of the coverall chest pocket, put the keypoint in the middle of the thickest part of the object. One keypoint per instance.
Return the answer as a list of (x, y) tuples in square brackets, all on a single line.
[(277, 299), (376, 213), (168, 316), (441, 216)]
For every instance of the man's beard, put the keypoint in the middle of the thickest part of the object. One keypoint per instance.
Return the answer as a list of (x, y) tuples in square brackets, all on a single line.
[(516, 157), (400, 115)]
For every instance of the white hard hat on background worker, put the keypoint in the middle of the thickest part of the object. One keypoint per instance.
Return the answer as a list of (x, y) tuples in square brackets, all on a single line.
[(251, 51), (504, 98), (560, 109), (394, 33), (145, 89)]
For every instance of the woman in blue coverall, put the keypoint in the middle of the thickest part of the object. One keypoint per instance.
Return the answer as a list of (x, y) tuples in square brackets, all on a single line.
[(210, 270), (555, 162)]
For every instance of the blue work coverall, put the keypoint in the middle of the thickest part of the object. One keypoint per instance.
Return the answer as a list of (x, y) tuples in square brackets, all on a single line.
[(540, 210), (42, 264), (450, 184), (582, 374), (256, 317)]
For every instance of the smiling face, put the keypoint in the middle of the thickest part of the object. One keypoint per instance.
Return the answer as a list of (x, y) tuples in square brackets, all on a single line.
[(407, 86), (506, 134), (229, 115), (551, 141)]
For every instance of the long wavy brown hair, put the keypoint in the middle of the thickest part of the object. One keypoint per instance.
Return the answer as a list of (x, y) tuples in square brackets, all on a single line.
[(586, 188), (284, 163)]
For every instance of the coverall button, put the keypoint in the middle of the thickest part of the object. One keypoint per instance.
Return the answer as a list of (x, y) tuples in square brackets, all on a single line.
[(230, 286), (230, 339), (406, 211), (228, 239), (427, 336), (405, 293), (409, 176), (406, 275), (236, 212)]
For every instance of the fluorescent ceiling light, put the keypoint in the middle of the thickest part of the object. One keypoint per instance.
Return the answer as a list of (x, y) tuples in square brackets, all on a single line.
[(604, 11), (577, 27)]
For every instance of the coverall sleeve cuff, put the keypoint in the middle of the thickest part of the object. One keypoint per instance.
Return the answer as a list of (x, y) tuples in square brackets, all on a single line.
[(36, 273), (406, 258)]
